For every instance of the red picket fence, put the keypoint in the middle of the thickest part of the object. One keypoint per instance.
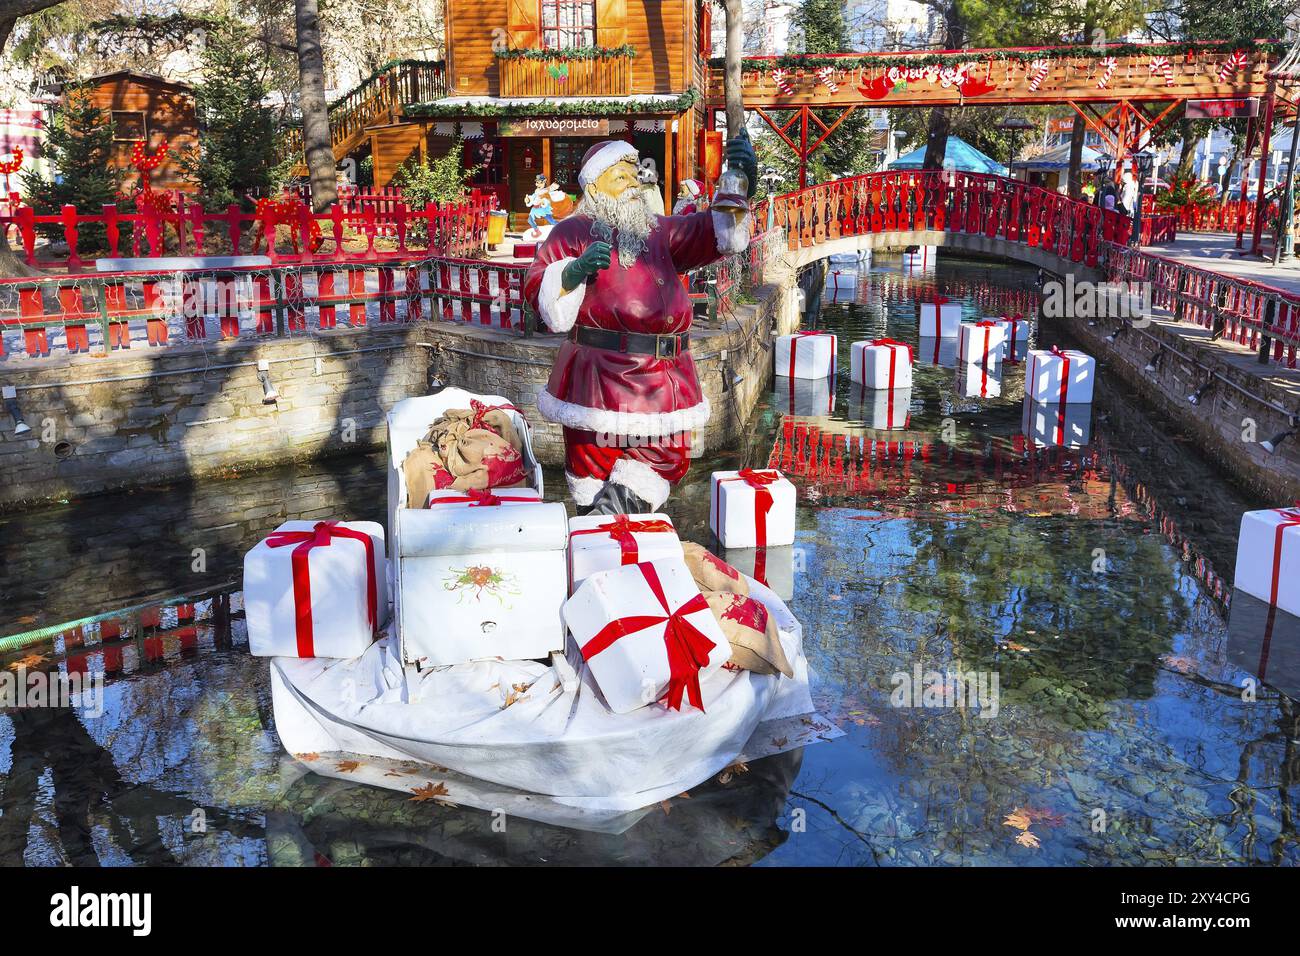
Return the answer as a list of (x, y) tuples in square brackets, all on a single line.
[(113, 311), (457, 229), (1261, 317), (1230, 216), (1159, 229), (942, 200)]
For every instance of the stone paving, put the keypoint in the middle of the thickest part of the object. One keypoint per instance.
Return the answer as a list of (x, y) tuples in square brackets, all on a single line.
[(1218, 251)]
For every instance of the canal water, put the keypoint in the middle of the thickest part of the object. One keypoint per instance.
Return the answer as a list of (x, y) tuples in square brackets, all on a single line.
[(1129, 724)]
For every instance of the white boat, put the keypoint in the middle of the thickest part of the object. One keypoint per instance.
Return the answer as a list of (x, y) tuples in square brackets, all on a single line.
[(536, 731)]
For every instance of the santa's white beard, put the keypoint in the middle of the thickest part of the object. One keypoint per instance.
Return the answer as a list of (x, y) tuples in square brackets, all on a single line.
[(629, 215)]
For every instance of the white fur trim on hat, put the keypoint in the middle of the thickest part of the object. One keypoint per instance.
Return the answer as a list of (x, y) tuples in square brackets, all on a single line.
[(640, 479), (693, 187), (610, 152), (584, 490), (614, 422), (732, 234), (559, 308)]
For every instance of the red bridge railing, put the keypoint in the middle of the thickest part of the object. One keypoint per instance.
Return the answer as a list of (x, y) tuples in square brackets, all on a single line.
[(954, 202)]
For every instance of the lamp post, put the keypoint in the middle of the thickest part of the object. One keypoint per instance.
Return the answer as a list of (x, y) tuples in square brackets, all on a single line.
[(1143, 163), (1014, 126)]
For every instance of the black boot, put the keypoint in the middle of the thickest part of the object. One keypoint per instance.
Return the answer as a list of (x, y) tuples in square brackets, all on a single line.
[(617, 499)]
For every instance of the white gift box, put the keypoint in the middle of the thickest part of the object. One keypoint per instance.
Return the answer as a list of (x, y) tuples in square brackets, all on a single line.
[(773, 567), (620, 621), (1052, 425), (1265, 642), (808, 397), (934, 351), (447, 498), (805, 355), (980, 379), (331, 585), (1268, 557), (888, 409), (882, 363), (1015, 334), (604, 542), (979, 342), (736, 514), (481, 583), (940, 321), (1065, 377)]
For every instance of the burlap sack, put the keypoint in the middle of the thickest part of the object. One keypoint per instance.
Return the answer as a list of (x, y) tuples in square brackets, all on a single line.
[(420, 467), (460, 420), (710, 572), (751, 631), (483, 459)]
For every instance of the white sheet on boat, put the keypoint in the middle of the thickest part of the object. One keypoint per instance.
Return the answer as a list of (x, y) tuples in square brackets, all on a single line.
[(513, 722)]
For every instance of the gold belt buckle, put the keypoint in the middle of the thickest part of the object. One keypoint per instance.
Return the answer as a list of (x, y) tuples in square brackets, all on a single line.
[(671, 351)]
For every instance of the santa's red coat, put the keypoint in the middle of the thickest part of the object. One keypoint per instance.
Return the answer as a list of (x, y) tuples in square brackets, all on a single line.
[(603, 390)]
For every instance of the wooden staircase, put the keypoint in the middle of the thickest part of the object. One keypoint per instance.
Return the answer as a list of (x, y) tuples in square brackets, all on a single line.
[(375, 101)]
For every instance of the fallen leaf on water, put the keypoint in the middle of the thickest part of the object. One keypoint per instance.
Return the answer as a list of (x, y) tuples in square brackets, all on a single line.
[(27, 619), (512, 698), (1177, 662), (1028, 839), (29, 661), (1013, 646), (347, 766), (666, 806), (308, 757), (520, 688), (430, 791), (1049, 817), (731, 772), (1017, 818)]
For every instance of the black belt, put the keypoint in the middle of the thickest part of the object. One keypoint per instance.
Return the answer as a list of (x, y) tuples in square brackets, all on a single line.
[(660, 346)]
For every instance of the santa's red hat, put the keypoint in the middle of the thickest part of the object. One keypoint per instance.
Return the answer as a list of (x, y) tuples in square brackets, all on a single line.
[(601, 157)]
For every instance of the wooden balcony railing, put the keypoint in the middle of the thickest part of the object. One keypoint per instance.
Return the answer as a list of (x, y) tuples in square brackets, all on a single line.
[(600, 76)]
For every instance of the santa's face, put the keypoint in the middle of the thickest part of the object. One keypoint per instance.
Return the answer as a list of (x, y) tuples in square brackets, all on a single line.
[(617, 203), (617, 180)]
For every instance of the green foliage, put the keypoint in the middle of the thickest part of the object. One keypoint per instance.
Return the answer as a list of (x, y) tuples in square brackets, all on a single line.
[(557, 107), (1185, 192), (821, 28), (442, 180), (240, 152), (572, 53), (78, 146)]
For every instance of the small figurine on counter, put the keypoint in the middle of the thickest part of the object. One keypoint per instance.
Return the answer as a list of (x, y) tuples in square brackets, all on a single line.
[(540, 204), (690, 198)]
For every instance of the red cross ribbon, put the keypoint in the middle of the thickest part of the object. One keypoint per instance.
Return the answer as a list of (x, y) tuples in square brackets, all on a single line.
[(1290, 519), (622, 529), (893, 345), (321, 536), (688, 648), (477, 497)]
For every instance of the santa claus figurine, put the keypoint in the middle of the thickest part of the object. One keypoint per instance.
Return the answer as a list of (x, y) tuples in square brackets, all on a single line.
[(690, 198), (624, 386)]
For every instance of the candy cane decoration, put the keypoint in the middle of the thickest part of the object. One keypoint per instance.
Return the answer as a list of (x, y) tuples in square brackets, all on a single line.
[(1038, 72), (1161, 65), (827, 76), (1231, 64), (781, 79), (1108, 66)]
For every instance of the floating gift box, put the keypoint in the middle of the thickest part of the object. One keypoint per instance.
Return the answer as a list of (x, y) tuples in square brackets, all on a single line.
[(477, 583), (647, 634), (809, 354), (752, 508), (883, 409), (980, 379), (940, 352), (940, 320), (772, 567), (1265, 641), (604, 542), (316, 589), (881, 363), (842, 284), (1015, 333), (980, 341), (1268, 557), (1051, 425), (1064, 376), (472, 498), (808, 397)]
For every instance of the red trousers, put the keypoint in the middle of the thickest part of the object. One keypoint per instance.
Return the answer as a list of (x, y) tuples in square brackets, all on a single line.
[(649, 466)]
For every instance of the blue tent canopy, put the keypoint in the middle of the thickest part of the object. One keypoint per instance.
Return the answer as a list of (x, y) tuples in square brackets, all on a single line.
[(960, 153)]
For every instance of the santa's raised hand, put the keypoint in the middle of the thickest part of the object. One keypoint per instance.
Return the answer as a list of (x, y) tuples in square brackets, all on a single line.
[(740, 153), (594, 258)]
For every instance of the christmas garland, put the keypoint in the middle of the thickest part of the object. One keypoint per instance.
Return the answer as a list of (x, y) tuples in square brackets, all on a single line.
[(553, 107), (576, 53), (959, 57)]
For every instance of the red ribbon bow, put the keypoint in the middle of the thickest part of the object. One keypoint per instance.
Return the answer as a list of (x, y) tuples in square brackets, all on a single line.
[(622, 528), (320, 537), (893, 345), (758, 480), (477, 497), (688, 649), (480, 409), (1290, 519)]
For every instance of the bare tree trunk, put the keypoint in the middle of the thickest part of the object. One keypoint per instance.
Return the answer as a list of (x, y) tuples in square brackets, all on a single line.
[(1077, 132), (10, 265), (936, 139), (317, 144), (732, 73), (1187, 156)]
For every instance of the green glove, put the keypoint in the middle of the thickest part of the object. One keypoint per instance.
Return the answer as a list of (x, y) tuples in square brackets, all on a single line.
[(740, 152), (594, 258)]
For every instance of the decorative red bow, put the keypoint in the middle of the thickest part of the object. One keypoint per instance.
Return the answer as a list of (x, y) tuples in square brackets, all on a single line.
[(895, 342), (688, 649), (622, 528), (320, 537), (1290, 519), (477, 497), (480, 409)]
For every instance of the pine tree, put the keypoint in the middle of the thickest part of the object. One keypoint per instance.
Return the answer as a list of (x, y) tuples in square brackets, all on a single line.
[(78, 145), (239, 143), (821, 26)]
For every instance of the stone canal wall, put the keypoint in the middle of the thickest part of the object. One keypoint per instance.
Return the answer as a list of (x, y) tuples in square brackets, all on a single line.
[(1229, 422), (147, 416)]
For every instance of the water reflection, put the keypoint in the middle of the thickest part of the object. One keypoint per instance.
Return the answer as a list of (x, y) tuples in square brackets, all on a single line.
[(1084, 573)]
